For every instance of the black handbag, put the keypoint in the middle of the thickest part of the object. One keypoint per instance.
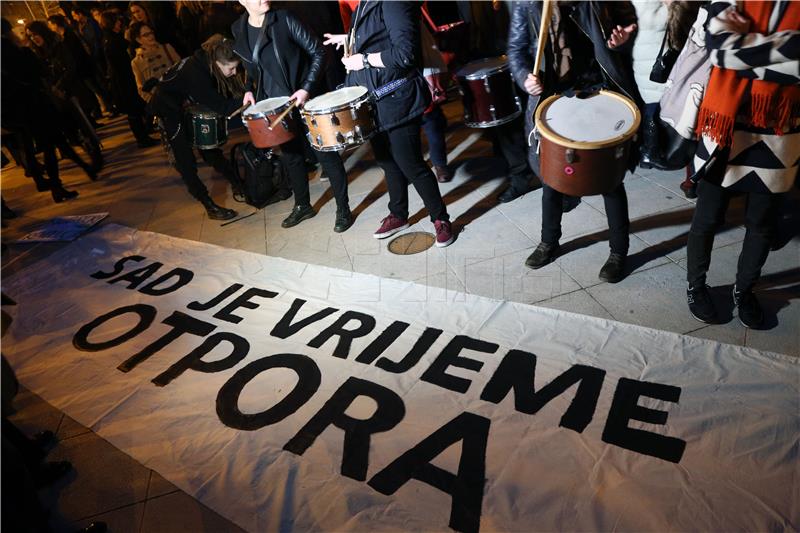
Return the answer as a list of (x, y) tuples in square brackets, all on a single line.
[(664, 62), (263, 180)]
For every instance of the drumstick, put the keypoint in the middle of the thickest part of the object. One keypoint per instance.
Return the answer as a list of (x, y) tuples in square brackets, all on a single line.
[(280, 117), (544, 27), (245, 106)]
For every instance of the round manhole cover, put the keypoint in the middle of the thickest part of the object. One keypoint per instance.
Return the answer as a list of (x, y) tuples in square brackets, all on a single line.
[(411, 243)]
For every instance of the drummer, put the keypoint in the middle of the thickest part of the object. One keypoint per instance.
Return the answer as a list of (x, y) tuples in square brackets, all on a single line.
[(578, 57), (285, 59), (209, 78), (385, 58)]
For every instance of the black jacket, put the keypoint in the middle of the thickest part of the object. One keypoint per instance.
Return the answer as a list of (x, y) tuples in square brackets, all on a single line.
[(391, 28), (595, 19), (290, 57), (189, 80)]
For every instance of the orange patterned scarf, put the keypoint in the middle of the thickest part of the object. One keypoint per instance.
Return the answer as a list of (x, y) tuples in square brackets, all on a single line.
[(770, 104)]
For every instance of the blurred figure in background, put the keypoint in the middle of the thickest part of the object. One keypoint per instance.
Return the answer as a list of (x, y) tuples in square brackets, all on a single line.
[(152, 58)]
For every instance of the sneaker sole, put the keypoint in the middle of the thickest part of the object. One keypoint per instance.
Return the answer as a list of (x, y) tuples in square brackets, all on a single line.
[(304, 217), (712, 320), (445, 243), (390, 232)]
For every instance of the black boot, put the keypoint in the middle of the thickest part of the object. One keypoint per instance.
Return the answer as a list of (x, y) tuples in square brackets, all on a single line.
[(299, 213), (650, 156), (216, 212), (60, 193), (344, 219)]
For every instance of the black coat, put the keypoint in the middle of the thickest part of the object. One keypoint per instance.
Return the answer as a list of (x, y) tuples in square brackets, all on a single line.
[(189, 80), (290, 58), (391, 28), (123, 83)]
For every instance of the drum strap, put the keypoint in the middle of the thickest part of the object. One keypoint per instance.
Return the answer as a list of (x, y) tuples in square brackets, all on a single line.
[(392, 86)]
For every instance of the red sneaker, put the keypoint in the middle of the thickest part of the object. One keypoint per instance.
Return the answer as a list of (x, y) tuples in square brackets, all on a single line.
[(444, 233), (389, 226)]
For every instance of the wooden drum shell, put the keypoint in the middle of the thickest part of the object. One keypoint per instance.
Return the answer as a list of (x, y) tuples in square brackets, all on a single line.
[(489, 99), (258, 127), (341, 127), (584, 168)]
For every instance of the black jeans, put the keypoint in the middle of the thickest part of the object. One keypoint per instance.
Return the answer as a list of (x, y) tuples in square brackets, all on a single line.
[(510, 139), (293, 157), (399, 153), (616, 203), (186, 164), (761, 216), (435, 124)]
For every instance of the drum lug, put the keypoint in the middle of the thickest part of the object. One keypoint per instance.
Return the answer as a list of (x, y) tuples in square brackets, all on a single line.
[(493, 112), (319, 139), (339, 137), (619, 151), (335, 120), (353, 114), (358, 133), (569, 155), (486, 85), (309, 137), (313, 120)]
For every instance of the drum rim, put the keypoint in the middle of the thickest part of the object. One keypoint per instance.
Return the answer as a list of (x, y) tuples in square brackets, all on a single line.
[(258, 115), (494, 123), (341, 107), (210, 115), (471, 77), (552, 136)]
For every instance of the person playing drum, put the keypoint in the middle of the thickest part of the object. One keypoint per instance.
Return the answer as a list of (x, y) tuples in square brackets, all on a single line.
[(586, 49), (284, 58), (209, 78), (384, 57)]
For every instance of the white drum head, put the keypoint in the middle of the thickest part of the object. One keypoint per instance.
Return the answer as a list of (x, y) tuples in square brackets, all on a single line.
[(482, 67), (596, 119), (266, 107), (336, 98)]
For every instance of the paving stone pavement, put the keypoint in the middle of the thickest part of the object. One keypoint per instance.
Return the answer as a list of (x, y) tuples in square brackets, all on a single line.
[(139, 189)]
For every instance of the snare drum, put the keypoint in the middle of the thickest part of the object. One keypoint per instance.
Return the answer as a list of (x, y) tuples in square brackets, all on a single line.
[(339, 119), (259, 117), (585, 143), (487, 89), (206, 128)]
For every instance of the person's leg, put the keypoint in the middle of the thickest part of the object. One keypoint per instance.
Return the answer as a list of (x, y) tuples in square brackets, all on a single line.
[(435, 123), (395, 179), (186, 164), (139, 129), (762, 215), (333, 166), (294, 164), (547, 249), (616, 203), (709, 214), (514, 149), (57, 190), (217, 160), (293, 159), (406, 150)]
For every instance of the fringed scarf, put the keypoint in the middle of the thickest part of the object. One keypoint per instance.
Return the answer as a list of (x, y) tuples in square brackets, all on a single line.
[(771, 105)]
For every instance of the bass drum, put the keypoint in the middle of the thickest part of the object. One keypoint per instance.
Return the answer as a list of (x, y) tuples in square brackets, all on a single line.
[(585, 143)]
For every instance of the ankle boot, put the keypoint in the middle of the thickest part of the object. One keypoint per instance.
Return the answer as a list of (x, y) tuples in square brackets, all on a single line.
[(60, 193), (650, 156), (216, 212)]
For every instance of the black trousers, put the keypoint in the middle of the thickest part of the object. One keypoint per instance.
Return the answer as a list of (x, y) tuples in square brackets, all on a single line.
[(136, 121), (293, 157), (616, 203), (761, 217), (399, 153), (186, 164), (510, 139)]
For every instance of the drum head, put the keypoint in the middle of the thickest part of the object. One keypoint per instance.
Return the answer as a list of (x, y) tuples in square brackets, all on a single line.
[(335, 99), (593, 122), (267, 107), (483, 67)]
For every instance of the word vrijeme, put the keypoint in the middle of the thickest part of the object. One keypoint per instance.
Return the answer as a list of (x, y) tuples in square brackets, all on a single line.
[(514, 375)]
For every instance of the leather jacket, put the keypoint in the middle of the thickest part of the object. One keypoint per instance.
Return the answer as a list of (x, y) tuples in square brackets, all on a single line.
[(596, 20), (289, 58)]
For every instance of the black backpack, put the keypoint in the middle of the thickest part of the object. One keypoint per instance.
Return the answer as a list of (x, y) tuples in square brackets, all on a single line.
[(261, 174)]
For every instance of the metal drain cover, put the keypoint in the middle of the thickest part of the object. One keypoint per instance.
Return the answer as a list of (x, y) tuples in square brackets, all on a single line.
[(411, 243)]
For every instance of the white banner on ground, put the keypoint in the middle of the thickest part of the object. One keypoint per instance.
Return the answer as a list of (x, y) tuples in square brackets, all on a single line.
[(293, 397)]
